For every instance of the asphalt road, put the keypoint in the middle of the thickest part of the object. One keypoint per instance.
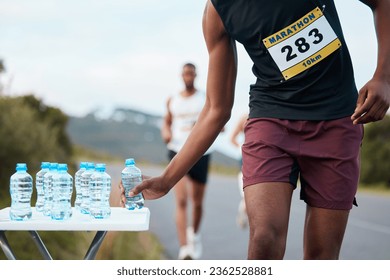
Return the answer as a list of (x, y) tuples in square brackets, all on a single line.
[(367, 236)]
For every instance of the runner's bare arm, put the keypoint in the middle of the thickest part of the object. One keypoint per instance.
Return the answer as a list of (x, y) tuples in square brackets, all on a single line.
[(239, 128), (166, 132), (216, 111), (374, 97)]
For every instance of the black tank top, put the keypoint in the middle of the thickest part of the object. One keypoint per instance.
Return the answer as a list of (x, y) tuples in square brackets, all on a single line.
[(301, 61)]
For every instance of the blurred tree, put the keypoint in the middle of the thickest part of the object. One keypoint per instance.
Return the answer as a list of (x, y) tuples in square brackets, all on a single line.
[(2, 70), (54, 118), (30, 135), (2, 66), (376, 153), (32, 132)]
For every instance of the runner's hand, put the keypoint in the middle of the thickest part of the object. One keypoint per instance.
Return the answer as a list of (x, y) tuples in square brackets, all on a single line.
[(166, 136), (122, 200), (151, 188), (373, 102)]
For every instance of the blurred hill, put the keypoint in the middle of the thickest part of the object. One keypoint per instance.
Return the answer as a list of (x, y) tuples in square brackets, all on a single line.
[(129, 133)]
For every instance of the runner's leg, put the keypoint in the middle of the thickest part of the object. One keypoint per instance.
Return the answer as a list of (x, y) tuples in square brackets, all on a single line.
[(181, 210), (324, 233), (268, 207), (198, 190)]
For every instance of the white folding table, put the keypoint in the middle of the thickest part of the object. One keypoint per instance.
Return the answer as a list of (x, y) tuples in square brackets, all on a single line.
[(121, 219)]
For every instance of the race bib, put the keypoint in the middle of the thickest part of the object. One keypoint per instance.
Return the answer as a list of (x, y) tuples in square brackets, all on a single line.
[(302, 44)]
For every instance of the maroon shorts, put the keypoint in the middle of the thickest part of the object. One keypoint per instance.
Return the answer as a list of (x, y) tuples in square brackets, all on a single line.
[(323, 154)]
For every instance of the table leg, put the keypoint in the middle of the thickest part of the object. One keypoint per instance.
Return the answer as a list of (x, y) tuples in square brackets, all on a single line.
[(6, 247), (41, 246), (95, 245)]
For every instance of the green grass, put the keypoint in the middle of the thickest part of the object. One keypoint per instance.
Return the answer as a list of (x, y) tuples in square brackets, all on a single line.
[(130, 246), (224, 170), (74, 245), (381, 189), (61, 245)]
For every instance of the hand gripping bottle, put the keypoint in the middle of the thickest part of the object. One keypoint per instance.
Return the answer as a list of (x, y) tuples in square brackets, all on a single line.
[(131, 177)]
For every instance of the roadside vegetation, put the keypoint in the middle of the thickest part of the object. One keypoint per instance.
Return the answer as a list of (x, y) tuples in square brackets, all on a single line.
[(32, 132)]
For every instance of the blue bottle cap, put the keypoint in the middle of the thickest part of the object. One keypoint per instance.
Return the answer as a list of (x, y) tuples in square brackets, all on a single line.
[(100, 167), (130, 161), (45, 164), (62, 167), (83, 164), (53, 166), (21, 167)]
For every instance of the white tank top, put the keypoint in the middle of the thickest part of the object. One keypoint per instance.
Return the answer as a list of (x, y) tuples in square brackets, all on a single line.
[(185, 112)]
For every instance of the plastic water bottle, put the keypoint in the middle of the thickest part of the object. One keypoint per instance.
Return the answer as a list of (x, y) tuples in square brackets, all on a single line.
[(61, 208), (21, 188), (77, 184), (131, 177), (39, 186), (85, 178), (99, 193), (48, 188)]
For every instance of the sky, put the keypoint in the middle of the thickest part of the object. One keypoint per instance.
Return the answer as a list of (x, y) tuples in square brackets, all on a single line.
[(85, 55)]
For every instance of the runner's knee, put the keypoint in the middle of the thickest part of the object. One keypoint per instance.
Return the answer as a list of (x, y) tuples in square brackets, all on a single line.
[(319, 252), (269, 243), (181, 203)]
